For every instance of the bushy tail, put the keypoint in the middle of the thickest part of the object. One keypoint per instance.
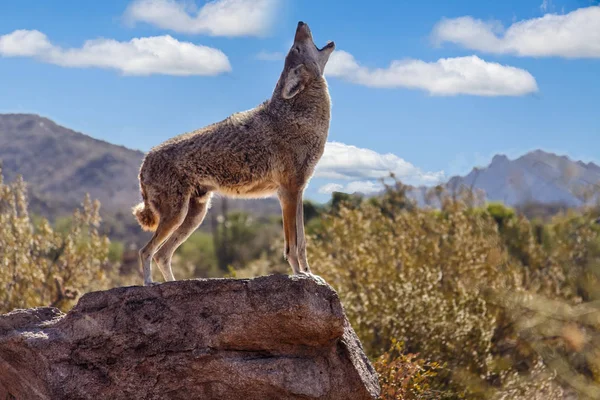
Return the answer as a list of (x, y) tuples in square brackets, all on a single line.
[(144, 214)]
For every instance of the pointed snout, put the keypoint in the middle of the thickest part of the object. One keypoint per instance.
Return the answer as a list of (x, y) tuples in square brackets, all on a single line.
[(302, 32)]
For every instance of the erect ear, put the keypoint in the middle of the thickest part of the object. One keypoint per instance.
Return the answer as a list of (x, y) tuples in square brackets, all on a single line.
[(324, 54), (295, 81)]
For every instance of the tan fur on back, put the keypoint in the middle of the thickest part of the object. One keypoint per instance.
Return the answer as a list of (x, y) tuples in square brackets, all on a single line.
[(248, 154)]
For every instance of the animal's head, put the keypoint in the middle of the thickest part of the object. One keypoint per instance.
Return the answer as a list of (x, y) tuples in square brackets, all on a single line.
[(304, 62)]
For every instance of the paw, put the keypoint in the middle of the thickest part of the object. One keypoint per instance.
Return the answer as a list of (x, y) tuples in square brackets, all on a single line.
[(314, 277), (318, 279), (150, 283)]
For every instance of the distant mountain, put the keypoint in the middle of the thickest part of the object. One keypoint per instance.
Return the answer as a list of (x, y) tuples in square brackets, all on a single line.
[(61, 165), (536, 177)]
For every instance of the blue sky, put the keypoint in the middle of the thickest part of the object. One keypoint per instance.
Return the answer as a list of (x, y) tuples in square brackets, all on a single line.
[(428, 89)]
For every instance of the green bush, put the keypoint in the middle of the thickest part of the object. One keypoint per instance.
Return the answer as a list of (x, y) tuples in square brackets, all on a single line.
[(196, 258), (40, 266)]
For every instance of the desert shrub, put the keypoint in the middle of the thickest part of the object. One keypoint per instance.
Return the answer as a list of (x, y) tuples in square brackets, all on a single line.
[(500, 213), (537, 383), (432, 279), (339, 199), (410, 275), (240, 238), (115, 251), (40, 266), (196, 258), (406, 376), (270, 262)]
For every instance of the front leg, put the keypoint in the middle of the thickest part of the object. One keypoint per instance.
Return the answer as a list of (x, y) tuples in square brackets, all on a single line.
[(304, 267), (288, 199)]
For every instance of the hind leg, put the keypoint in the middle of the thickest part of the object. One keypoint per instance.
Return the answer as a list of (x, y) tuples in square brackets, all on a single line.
[(171, 217), (195, 215)]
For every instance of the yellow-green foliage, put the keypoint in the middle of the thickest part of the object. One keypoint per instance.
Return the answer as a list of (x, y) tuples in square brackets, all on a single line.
[(433, 279), (196, 258), (38, 265), (406, 377), (414, 276), (467, 301)]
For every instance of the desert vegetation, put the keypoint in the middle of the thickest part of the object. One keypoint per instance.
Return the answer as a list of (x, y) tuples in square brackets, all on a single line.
[(465, 300), (43, 265), (471, 300)]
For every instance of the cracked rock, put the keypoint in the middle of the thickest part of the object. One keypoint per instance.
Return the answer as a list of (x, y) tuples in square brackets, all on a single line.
[(275, 337)]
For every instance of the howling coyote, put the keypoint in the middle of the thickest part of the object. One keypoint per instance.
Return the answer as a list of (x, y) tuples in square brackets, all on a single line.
[(272, 148)]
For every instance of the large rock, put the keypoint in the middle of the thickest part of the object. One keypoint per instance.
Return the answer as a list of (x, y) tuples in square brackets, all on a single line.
[(275, 337)]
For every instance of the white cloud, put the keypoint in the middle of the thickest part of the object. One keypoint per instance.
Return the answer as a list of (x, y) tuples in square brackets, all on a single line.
[(445, 77), (24, 43), (344, 162), (330, 188), (215, 18), (270, 56), (573, 35), (364, 187), (139, 56)]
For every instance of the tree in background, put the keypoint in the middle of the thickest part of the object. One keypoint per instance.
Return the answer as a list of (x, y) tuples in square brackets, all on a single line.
[(40, 266), (239, 238)]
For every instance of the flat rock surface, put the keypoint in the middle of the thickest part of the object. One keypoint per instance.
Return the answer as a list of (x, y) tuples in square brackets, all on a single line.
[(274, 337)]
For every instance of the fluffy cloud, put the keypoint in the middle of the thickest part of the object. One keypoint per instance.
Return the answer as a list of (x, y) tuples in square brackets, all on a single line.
[(573, 35), (344, 162), (215, 18), (139, 56), (364, 187), (330, 188), (445, 77), (24, 43)]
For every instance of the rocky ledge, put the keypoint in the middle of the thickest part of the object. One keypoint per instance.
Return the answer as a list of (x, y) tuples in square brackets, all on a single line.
[(274, 337)]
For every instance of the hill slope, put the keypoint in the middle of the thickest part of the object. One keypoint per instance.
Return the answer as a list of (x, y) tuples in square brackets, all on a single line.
[(61, 165)]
